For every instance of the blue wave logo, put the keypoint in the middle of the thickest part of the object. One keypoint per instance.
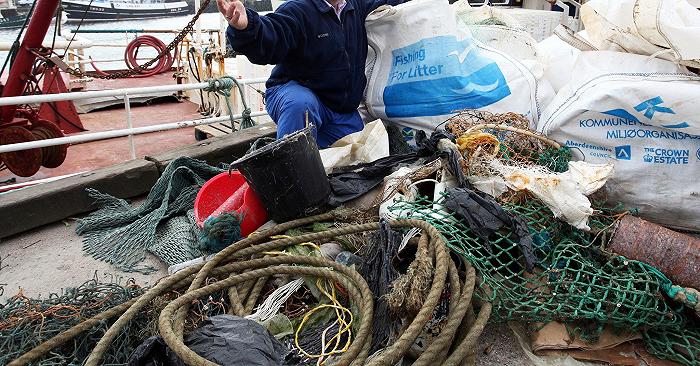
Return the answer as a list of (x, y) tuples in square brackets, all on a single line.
[(441, 75), (649, 108), (678, 125)]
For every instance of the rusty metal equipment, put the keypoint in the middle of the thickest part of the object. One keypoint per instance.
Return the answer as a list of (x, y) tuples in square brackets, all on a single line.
[(675, 254), (62, 113), (22, 123)]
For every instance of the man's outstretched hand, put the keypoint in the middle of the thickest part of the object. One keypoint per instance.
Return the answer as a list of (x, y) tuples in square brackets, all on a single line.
[(234, 12)]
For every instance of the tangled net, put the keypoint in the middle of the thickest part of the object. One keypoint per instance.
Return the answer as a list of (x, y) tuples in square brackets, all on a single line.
[(484, 137), (574, 281), (26, 322)]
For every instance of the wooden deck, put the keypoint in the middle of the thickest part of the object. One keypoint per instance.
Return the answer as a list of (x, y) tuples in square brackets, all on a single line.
[(214, 130)]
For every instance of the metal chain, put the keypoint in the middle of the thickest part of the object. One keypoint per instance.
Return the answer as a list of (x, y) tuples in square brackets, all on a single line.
[(171, 46)]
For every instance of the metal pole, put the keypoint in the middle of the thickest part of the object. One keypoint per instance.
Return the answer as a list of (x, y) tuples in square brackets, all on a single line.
[(127, 108), (30, 99), (72, 61), (108, 31), (105, 135), (60, 43), (24, 62)]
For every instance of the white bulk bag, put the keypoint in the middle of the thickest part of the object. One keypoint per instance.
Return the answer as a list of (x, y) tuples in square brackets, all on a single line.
[(422, 69), (557, 58), (494, 28), (644, 116), (668, 29)]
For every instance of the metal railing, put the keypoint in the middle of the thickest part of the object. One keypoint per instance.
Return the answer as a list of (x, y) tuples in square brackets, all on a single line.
[(130, 131)]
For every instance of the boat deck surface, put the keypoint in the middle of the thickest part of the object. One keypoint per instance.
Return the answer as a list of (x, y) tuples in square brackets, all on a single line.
[(51, 258), (100, 154)]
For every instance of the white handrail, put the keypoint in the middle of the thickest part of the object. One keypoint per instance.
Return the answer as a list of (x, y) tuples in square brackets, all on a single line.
[(76, 44), (31, 99), (104, 135)]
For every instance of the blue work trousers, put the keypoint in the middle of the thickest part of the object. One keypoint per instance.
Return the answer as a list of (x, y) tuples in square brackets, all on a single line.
[(288, 104)]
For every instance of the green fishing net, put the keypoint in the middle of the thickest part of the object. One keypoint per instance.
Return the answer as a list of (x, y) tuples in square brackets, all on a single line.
[(573, 281), (26, 322), (120, 234), (680, 345)]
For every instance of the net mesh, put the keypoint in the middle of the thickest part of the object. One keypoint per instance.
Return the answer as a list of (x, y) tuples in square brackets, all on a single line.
[(120, 234), (482, 138), (27, 322), (574, 281)]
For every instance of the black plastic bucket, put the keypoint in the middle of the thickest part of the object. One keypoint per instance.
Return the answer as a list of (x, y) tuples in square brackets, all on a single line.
[(288, 176)]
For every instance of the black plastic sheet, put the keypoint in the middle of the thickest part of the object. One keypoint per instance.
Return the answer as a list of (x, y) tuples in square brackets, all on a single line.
[(224, 339), (377, 269), (485, 217), (349, 183)]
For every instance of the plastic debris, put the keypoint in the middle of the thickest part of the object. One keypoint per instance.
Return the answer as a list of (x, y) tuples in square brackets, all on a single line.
[(564, 193)]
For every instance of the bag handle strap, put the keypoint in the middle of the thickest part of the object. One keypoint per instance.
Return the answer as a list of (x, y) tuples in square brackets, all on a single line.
[(567, 35)]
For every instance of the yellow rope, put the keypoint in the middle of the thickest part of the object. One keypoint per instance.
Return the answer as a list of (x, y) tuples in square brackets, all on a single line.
[(340, 320), (344, 326), (472, 141)]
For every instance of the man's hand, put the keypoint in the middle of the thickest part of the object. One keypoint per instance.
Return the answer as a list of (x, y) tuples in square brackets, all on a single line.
[(234, 12)]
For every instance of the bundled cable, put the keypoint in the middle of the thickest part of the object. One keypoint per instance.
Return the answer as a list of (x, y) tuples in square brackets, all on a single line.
[(277, 298)]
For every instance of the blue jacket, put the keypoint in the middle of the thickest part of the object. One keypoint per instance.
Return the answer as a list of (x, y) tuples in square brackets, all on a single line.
[(310, 45)]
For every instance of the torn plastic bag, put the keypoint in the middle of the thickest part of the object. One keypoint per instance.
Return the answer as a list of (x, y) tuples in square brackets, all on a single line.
[(368, 145), (224, 339), (352, 182), (564, 193), (485, 217), (154, 352)]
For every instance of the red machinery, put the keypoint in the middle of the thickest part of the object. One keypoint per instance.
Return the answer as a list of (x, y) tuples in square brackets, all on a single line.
[(22, 123)]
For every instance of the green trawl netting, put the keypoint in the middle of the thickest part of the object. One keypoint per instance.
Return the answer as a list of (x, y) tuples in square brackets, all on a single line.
[(27, 322), (680, 345), (175, 240), (573, 281), (121, 235)]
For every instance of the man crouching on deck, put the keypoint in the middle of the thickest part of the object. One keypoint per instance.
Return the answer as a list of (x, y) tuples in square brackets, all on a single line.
[(319, 48)]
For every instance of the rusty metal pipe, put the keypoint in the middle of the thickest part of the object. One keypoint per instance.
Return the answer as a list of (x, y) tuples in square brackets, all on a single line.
[(675, 254)]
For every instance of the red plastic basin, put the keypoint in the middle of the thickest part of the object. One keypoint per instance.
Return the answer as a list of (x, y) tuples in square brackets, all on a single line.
[(230, 193)]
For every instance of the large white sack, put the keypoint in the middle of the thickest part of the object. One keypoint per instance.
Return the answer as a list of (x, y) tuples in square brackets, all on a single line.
[(644, 116), (669, 29), (508, 37), (496, 29), (557, 59), (422, 69)]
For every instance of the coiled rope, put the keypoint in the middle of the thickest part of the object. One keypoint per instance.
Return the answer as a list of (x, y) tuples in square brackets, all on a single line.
[(163, 63), (223, 86), (248, 273)]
